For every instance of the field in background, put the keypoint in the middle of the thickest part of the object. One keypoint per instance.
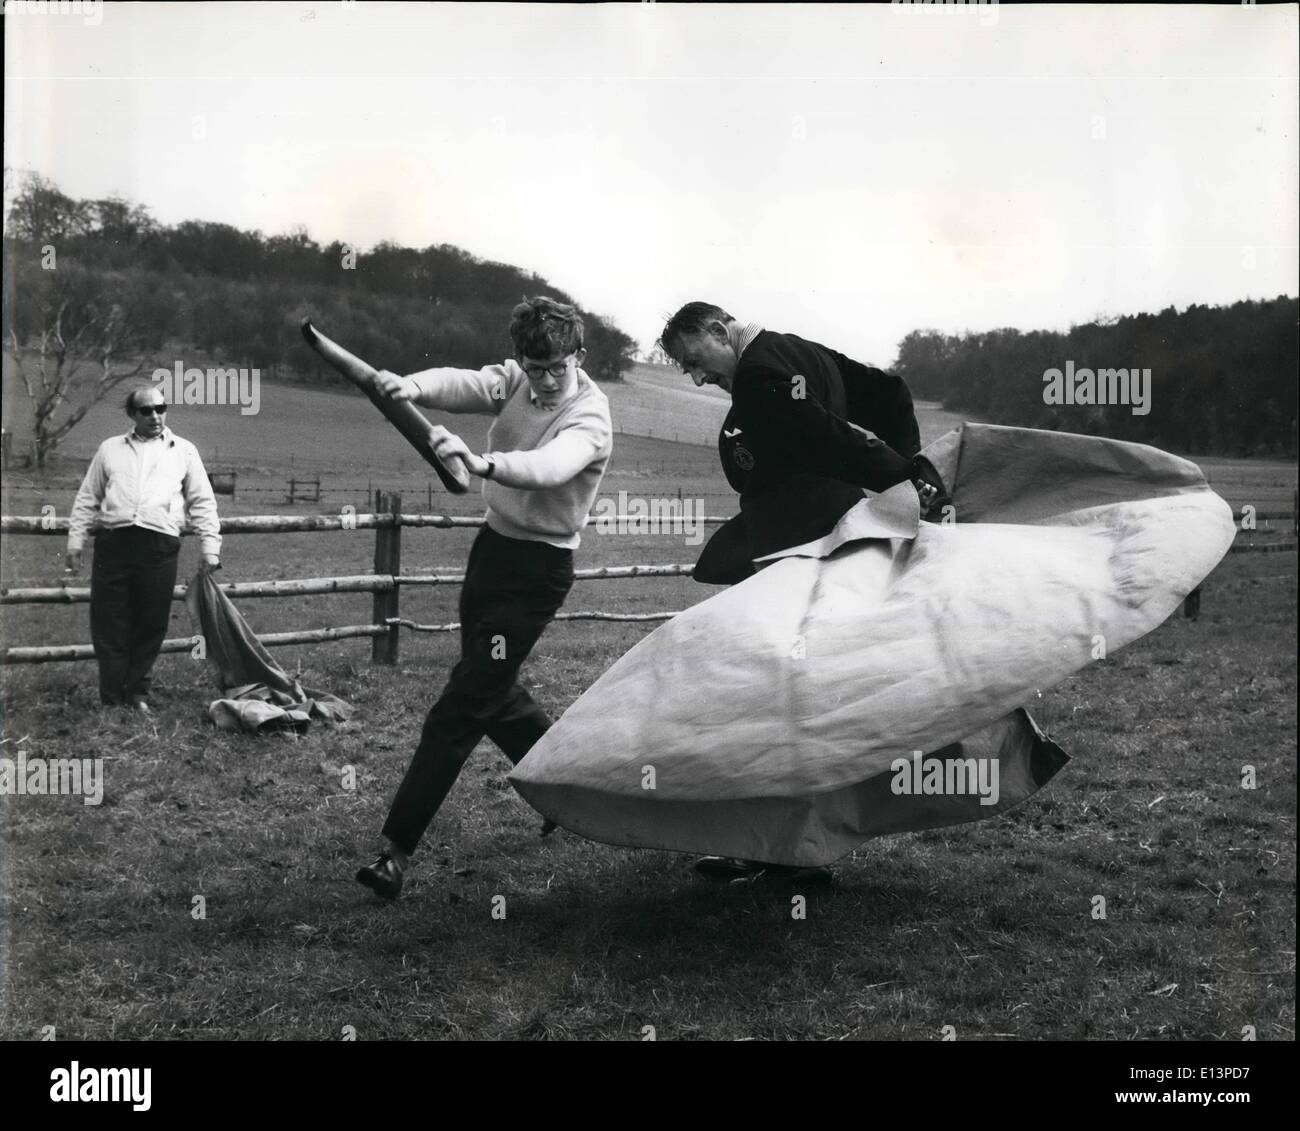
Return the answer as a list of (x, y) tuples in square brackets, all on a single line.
[(987, 928)]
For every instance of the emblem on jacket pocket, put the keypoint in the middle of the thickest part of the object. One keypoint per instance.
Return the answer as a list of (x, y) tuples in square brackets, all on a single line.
[(744, 458)]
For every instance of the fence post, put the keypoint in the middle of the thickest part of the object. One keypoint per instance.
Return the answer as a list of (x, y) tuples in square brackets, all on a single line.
[(388, 560)]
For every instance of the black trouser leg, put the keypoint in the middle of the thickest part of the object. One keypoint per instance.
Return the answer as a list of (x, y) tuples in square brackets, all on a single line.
[(517, 736), (512, 591), (131, 582), (151, 603), (110, 613)]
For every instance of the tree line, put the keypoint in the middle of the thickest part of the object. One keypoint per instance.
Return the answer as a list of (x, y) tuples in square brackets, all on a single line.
[(239, 296), (101, 283), (1223, 379)]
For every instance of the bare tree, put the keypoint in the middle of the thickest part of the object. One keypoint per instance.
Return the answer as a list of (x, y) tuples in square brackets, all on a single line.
[(75, 351)]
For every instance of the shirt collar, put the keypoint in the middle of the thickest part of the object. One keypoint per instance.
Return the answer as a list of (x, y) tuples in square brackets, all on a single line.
[(165, 434), (742, 337), (577, 388)]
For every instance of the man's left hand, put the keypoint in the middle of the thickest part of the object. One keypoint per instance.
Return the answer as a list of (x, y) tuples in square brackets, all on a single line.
[(447, 444), (209, 562)]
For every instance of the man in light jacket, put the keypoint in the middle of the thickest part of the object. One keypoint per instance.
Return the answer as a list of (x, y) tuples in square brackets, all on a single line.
[(136, 493)]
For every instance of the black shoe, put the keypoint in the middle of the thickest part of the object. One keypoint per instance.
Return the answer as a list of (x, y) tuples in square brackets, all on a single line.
[(383, 877), (727, 868), (750, 871), (548, 827)]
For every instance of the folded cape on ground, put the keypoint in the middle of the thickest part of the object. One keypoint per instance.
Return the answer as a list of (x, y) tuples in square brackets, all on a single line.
[(260, 695), (780, 720)]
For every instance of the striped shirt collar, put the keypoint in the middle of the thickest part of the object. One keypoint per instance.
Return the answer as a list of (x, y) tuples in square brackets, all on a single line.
[(742, 337)]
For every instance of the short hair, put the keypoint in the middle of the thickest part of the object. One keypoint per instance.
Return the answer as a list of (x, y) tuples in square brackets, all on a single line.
[(693, 318), (136, 390), (541, 327)]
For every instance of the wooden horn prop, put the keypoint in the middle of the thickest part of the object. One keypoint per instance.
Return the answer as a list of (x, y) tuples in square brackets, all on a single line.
[(402, 415)]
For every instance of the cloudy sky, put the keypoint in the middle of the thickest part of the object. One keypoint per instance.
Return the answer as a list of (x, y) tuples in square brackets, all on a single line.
[(844, 172)]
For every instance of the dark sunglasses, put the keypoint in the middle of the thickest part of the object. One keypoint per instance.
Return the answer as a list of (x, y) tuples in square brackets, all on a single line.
[(153, 410)]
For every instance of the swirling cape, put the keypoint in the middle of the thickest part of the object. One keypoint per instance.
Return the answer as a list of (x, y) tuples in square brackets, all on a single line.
[(780, 719)]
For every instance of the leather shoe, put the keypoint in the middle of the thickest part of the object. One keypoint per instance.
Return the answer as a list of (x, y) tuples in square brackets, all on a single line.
[(727, 868), (750, 871), (383, 877)]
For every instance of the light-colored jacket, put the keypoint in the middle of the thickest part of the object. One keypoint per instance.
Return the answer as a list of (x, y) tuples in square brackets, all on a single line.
[(155, 484)]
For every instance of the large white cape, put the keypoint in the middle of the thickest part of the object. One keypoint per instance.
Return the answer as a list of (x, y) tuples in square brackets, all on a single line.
[(766, 722)]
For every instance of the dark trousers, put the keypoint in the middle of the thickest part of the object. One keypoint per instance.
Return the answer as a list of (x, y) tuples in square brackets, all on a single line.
[(131, 582), (512, 590)]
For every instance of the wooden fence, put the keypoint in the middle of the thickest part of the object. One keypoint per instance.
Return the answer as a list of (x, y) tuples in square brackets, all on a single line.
[(387, 580), (385, 583), (1192, 602)]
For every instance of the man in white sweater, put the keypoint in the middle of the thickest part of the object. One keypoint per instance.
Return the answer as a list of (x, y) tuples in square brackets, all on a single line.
[(548, 449)]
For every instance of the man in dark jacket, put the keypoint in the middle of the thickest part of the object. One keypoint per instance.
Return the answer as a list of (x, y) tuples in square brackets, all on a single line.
[(808, 429)]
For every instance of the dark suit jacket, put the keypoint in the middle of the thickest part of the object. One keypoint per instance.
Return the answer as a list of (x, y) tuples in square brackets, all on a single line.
[(789, 447)]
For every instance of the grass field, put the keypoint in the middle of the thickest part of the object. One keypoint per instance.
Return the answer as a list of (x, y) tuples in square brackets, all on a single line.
[(987, 928)]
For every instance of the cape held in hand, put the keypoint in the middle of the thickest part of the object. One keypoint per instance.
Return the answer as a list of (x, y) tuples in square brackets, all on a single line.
[(828, 698), (259, 696)]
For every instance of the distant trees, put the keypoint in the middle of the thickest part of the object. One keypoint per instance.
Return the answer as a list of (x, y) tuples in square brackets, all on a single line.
[(239, 295), (1223, 379), (41, 214)]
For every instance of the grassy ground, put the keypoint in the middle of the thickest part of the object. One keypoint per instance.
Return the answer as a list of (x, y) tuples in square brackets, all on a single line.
[(988, 928)]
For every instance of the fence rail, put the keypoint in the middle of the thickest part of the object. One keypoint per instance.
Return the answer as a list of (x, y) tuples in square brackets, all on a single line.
[(384, 584), (387, 580)]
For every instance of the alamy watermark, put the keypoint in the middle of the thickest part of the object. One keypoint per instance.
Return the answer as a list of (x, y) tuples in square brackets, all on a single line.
[(91, 11), (211, 386), (1098, 387), (76, 777), (950, 777), (634, 515), (101, 1085), (987, 9)]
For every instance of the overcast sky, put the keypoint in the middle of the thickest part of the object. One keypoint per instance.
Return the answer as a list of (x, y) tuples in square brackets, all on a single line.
[(848, 173)]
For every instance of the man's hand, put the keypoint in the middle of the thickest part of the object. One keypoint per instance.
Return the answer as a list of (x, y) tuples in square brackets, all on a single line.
[(395, 387), (209, 563), (929, 486), (447, 445), (73, 560), (928, 493)]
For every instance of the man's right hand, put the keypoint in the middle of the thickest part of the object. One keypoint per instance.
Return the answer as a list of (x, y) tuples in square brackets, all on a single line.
[(396, 387), (73, 559), (929, 487)]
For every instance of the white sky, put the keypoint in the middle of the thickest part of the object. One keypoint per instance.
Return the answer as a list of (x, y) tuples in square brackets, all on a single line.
[(847, 173)]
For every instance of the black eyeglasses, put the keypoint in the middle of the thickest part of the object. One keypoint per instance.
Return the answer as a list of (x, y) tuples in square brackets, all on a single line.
[(153, 410), (558, 369)]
